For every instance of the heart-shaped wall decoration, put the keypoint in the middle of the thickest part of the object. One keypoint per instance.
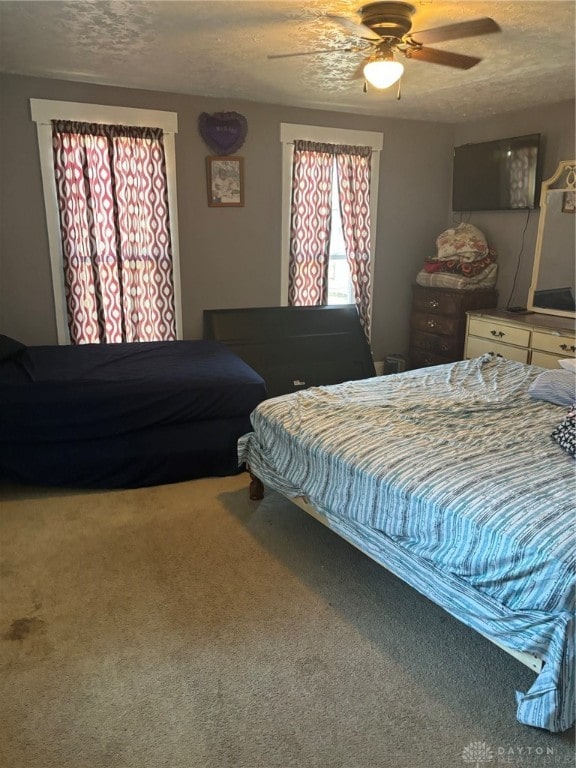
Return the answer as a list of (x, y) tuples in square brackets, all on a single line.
[(223, 132)]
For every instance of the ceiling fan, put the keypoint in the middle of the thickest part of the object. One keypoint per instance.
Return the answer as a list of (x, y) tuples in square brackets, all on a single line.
[(383, 30)]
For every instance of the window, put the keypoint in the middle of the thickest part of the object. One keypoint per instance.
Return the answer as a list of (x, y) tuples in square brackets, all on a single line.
[(119, 141), (340, 288)]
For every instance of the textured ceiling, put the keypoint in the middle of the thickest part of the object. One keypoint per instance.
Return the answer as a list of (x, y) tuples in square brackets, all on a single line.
[(219, 48)]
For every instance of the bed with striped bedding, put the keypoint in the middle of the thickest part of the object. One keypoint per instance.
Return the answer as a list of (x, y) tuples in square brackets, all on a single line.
[(449, 477)]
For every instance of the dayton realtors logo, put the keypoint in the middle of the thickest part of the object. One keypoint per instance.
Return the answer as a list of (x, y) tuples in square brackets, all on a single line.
[(477, 753)]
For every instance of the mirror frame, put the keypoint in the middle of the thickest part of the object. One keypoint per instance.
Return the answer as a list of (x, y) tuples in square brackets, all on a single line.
[(565, 179)]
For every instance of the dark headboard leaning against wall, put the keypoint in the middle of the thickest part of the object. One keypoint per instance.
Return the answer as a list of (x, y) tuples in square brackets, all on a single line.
[(295, 347)]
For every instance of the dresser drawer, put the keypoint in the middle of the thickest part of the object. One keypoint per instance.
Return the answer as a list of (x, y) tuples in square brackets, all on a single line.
[(544, 359), (561, 346), (441, 345), (436, 303), (499, 331), (476, 346), (419, 358), (442, 324)]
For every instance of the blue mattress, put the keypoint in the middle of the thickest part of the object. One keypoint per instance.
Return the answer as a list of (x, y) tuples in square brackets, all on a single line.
[(124, 415), (450, 478)]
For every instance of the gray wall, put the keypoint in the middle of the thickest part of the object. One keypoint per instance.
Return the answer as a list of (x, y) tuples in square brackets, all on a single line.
[(231, 257)]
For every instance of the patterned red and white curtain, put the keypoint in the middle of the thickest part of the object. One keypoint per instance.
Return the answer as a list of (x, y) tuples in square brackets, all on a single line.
[(113, 204), (353, 164), (312, 172), (311, 214)]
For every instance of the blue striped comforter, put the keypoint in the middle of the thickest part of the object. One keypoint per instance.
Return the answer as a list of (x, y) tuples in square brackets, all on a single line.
[(449, 477)]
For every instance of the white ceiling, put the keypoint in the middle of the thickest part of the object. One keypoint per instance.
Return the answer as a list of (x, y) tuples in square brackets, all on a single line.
[(219, 48)]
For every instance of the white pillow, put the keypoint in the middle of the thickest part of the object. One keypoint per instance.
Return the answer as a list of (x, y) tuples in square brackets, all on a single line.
[(569, 363)]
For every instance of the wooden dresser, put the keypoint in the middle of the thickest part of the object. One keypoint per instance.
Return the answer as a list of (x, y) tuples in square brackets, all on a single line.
[(438, 323), (532, 338)]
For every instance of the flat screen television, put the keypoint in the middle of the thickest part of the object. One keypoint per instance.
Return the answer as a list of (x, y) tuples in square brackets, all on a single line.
[(496, 175)]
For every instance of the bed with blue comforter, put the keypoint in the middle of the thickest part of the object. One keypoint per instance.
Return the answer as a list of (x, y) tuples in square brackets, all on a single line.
[(122, 415), (450, 477)]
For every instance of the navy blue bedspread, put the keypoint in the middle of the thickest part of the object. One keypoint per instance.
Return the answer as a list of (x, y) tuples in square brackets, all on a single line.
[(121, 415)]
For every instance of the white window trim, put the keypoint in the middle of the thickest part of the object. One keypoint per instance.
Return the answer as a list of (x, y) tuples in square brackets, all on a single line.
[(43, 112), (289, 132)]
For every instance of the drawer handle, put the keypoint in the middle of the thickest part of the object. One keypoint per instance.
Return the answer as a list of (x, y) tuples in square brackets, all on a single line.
[(433, 304), (568, 347), (498, 333), (431, 324)]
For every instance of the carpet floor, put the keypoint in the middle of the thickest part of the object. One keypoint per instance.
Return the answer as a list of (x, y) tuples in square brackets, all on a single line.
[(184, 626)]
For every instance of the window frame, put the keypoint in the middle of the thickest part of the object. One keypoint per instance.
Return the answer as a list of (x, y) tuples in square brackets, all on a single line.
[(43, 111), (289, 132)]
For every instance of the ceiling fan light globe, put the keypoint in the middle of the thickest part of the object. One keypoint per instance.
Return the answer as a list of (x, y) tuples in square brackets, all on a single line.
[(383, 74)]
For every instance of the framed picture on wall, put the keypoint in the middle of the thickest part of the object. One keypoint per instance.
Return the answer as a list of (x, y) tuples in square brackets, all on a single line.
[(569, 202), (225, 181)]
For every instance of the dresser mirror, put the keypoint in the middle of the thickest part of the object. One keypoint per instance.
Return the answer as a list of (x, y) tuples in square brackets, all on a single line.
[(552, 291)]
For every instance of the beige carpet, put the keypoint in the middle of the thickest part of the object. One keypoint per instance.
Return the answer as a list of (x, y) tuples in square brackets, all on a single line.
[(186, 627)]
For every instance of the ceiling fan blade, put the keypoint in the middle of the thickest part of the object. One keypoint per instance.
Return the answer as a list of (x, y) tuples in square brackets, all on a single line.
[(309, 53), (357, 29), (456, 31), (447, 58)]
